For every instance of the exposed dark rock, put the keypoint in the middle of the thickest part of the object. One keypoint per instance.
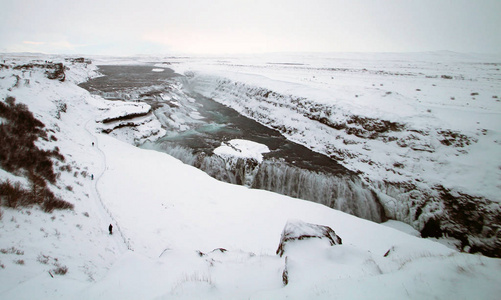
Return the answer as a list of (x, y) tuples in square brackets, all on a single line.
[(362, 127), (441, 212), (126, 117), (52, 70), (120, 125), (298, 230), (387, 253), (432, 229), (222, 250), (475, 221), (455, 139), (285, 273), (78, 60)]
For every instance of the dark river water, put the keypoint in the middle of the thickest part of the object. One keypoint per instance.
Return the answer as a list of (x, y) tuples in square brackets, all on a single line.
[(220, 123)]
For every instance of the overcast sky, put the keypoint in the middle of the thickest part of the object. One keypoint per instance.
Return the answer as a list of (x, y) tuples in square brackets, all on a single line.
[(126, 27)]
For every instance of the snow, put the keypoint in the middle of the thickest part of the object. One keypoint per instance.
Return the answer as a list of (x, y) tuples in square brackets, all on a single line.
[(157, 70), (23, 182), (121, 109), (417, 128), (242, 149), (130, 122), (401, 226), (169, 218), (410, 89)]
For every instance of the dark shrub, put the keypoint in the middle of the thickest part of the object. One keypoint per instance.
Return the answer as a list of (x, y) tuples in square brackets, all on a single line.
[(60, 270), (11, 194), (20, 155), (53, 203), (17, 142)]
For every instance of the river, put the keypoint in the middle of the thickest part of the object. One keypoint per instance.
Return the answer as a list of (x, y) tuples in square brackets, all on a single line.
[(196, 125)]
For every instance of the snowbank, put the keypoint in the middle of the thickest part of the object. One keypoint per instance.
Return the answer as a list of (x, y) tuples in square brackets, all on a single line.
[(182, 209)]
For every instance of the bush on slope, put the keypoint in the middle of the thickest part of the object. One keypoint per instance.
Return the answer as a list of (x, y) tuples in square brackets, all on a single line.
[(19, 130)]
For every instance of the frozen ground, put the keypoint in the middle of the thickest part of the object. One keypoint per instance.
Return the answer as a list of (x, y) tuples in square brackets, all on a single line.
[(170, 221)]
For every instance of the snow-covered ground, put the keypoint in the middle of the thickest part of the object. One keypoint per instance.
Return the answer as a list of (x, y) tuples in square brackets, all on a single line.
[(420, 128), (180, 234)]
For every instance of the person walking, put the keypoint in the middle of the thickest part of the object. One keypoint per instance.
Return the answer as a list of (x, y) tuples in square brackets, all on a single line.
[(110, 228)]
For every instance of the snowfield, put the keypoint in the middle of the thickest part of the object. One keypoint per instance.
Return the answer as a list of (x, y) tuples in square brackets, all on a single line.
[(180, 234)]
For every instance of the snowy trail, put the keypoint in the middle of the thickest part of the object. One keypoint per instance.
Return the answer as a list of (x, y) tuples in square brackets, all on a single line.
[(104, 212)]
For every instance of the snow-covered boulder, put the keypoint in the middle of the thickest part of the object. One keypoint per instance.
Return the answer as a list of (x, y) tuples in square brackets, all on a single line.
[(298, 230), (238, 148)]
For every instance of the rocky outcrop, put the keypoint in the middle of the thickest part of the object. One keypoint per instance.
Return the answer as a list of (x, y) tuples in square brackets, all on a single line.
[(54, 71), (474, 221), (296, 230), (130, 122)]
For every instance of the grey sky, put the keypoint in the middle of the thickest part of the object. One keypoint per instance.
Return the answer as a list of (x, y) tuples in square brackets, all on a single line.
[(169, 27)]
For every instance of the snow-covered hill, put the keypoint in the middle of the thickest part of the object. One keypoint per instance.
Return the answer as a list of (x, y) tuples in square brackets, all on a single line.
[(180, 234)]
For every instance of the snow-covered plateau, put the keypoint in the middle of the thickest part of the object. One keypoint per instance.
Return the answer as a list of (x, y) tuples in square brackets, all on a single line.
[(180, 234)]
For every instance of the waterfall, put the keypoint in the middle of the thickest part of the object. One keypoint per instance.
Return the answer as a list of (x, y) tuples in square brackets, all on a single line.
[(343, 192)]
